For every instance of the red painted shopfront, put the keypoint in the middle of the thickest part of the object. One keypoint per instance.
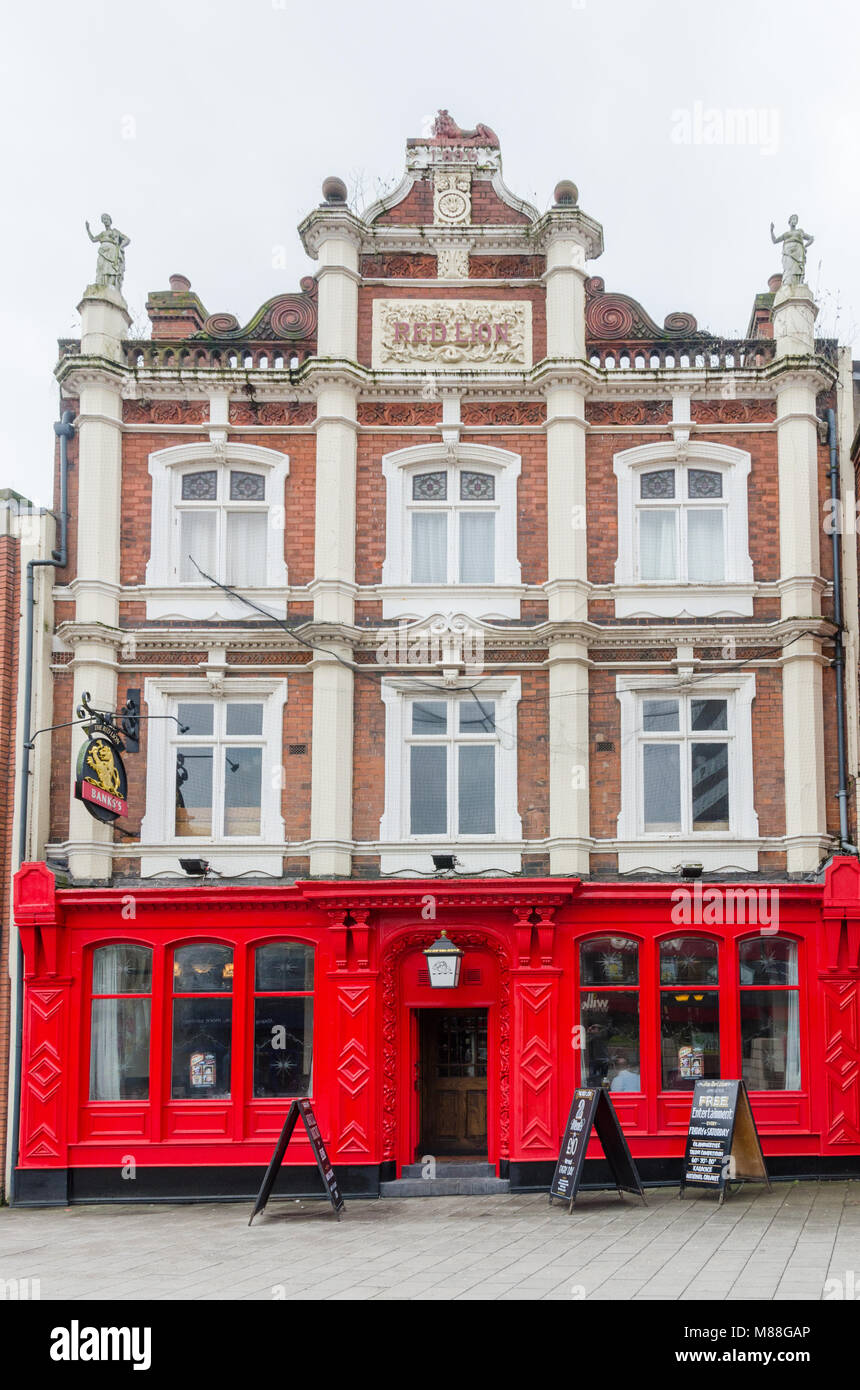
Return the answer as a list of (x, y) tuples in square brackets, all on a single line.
[(149, 1067)]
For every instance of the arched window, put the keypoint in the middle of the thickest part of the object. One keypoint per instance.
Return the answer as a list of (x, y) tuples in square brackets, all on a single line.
[(283, 1019), (202, 1021), (120, 1019), (770, 1013), (689, 1012), (609, 1012)]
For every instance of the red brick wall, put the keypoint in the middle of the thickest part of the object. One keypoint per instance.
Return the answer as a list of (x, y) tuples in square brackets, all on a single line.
[(416, 209)]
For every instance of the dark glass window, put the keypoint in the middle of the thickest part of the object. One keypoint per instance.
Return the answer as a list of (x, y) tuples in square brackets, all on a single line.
[(200, 487), (770, 1013), (609, 1015), (202, 1021), (283, 1020), (689, 1012)]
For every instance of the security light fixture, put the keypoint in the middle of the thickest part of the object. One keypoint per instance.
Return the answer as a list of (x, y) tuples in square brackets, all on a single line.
[(691, 870), (195, 868), (444, 861)]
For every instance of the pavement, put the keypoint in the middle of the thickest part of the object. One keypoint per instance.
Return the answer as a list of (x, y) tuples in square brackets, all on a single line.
[(783, 1244)]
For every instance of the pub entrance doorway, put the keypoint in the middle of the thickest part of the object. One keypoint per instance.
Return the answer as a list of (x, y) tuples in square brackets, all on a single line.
[(452, 1082)]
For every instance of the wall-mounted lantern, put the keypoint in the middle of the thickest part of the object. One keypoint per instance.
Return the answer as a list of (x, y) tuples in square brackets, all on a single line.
[(443, 963)]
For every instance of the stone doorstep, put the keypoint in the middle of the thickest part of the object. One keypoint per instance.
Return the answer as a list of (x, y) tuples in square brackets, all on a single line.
[(449, 1170), (444, 1187)]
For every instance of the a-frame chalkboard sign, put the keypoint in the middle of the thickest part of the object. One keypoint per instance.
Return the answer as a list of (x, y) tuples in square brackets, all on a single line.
[(722, 1141), (592, 1108), (303, 1108)]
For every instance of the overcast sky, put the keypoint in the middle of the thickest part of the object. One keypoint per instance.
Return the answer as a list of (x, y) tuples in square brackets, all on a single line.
[(206, 129)]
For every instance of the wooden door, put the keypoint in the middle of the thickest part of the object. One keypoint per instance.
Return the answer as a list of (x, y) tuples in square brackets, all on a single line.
[(453, 1081)]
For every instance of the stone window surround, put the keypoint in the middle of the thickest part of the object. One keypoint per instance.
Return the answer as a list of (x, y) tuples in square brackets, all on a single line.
[(200, 602), (401, 598), (666, 851), (657, 598), (474, 851), (160, 847)]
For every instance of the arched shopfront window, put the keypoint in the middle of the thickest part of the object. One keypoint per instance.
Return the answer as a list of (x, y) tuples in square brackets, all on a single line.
[(283, 1019), (689, 1012), (121, 1011), (202, 1021), (770, 1013), (609, 1012)]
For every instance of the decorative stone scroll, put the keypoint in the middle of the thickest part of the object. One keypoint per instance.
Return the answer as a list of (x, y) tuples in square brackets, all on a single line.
[(479, 335)]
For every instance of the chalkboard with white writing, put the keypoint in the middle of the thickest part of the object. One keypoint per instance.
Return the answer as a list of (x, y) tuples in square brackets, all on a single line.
[(722, 1141), (303, 1108), (592, 1108)]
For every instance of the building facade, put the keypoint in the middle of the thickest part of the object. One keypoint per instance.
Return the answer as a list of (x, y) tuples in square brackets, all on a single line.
[(452, 592)]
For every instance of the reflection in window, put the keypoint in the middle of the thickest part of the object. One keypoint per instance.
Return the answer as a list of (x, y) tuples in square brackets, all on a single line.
[(609, 1015), (219, 782), (689, 1012), (119, 1039), (202, 1020), (770, 1014), (283, 1019)]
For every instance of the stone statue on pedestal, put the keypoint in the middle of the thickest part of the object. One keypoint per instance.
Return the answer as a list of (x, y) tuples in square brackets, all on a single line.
[(794, 244), (110, 266)]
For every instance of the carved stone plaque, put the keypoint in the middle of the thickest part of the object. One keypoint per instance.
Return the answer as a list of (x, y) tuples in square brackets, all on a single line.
[(452, 198), (473, 334)]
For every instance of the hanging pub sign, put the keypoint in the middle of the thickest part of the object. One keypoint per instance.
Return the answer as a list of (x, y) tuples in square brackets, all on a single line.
[(327, 1173), (722, 1140), (592, 1108), (100, 781)]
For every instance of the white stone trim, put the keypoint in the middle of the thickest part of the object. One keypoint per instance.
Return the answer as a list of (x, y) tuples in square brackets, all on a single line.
[(635, 598), (157, 827), (422, 601), (699, 846), (201, 602), (477, 852)]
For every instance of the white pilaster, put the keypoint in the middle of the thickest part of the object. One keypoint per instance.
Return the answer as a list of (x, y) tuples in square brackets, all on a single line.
[(567, 555), (803, 733), (569, 808), (104, 324), (331, 763)]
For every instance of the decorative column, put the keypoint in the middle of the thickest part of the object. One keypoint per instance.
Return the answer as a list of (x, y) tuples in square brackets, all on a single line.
[(99, 373), (333, 235), (836, 1040), (800, 520)]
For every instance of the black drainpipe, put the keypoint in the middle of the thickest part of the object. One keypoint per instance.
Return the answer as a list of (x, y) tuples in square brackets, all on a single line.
[(65, 430), (839, 654)]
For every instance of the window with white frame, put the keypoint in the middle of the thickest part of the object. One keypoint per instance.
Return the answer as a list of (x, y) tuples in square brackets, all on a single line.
[(683, 541), (210, 761), (224, 512), (686, 760), (451, 763), (222, 519), (681, 525), (452, 526), (451, 521)]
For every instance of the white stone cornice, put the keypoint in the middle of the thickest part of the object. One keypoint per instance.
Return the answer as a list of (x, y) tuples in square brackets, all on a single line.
[(331, 221), (74, 372), (569, 224), (342, 270)]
